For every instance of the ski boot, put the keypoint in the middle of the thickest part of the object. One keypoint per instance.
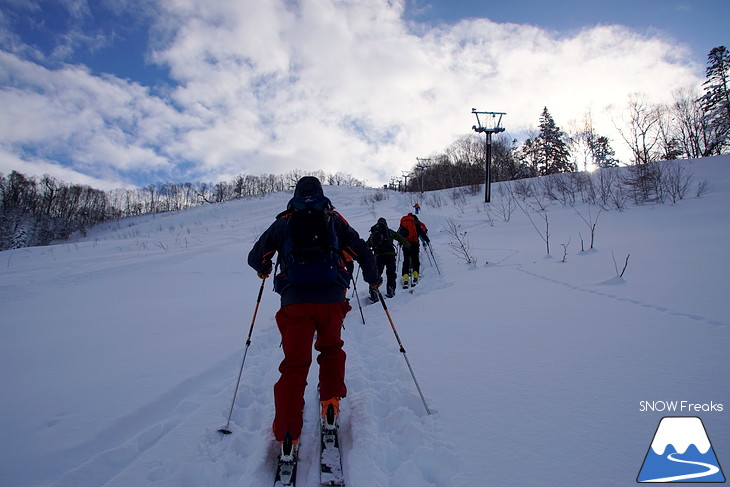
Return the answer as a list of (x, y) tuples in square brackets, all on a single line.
[(287, 466), (390, 292), (415, 278), (373, 295), (288, 448), (330, 413), (405, 281)]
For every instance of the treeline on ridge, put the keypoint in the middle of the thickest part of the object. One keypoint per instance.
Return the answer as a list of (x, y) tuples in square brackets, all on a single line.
[(36, 212)]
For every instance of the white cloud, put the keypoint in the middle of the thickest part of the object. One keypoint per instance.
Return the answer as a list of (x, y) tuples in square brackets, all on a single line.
[(101, 124), (38, 167), (266, 87)]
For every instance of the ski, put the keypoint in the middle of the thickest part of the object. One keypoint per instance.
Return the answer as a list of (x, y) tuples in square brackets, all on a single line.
[(330, 460), (410, 283), (286, 464), (414, 277)]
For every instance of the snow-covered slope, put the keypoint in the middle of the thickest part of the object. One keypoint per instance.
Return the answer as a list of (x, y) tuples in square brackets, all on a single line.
[(119, 351)]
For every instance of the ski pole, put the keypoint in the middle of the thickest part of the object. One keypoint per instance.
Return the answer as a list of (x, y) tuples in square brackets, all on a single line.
[(226, 431), (427, 256), (403, 351), (357, 274), (430, 249), (357, 295)]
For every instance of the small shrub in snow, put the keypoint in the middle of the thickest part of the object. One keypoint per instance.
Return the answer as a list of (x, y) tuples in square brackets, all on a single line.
[(459, 243)]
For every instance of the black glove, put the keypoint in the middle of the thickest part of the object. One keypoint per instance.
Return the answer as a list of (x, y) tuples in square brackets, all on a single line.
[(265, 270)]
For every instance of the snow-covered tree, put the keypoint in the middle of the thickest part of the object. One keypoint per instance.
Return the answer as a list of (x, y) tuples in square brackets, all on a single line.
[(716, 100)]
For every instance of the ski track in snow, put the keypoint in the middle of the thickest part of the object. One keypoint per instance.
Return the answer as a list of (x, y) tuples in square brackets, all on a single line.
[(129, 438), (249, 453), (384, 404), (618, 280), (615, 281)]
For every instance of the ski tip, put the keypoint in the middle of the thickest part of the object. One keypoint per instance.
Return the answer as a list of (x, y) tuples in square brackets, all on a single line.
[(224, 431)]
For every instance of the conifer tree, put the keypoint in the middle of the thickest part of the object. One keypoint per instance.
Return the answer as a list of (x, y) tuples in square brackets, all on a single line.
[(603, 154), (716, 100), (554, 155)]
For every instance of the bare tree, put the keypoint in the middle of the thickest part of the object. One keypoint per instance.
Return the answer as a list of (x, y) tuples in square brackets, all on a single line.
[(590, 221), (669, 146), (615, 265), (565, 250), (641, 132), (580, 137), (528, 209), (677, 181), (459, 243), (504, 204), (690, 127)]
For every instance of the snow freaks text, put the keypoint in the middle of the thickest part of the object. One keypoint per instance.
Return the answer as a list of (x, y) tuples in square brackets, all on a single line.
[(680, 407)]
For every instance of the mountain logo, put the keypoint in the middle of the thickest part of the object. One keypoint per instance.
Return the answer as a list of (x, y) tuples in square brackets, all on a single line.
[(680, 452)]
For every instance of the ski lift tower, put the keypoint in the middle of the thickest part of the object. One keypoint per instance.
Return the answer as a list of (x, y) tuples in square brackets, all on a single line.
[(489, 123), (421, 165), (405, 175)]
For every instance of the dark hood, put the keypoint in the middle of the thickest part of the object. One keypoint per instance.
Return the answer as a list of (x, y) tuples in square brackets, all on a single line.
[(308, 186)]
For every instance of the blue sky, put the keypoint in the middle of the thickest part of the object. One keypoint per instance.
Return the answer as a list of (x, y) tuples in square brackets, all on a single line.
[(120, 92), (700, 24)]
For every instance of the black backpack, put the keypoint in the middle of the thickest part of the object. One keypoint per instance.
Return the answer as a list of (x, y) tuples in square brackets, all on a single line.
[(380, 239), (311, 253)]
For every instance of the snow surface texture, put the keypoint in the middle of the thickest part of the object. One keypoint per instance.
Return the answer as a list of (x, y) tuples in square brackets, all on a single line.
[(119, 351)]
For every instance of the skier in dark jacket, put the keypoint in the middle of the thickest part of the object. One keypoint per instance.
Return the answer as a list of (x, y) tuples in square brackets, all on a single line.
[(307, 309), (381, 242)]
